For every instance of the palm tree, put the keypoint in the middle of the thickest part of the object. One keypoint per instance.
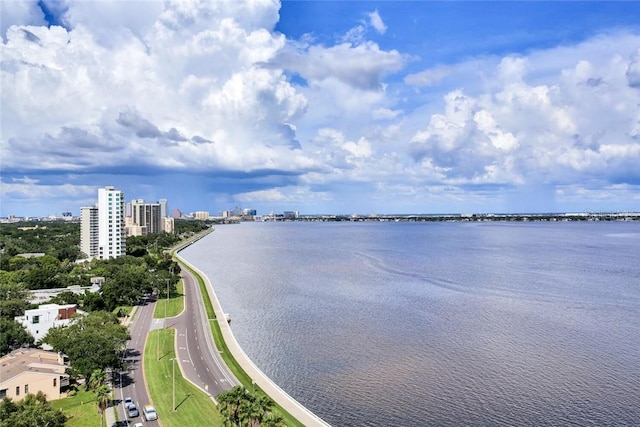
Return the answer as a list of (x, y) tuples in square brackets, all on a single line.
[(240, 407), (273, 420), (103, 397), (230, 402), (259, 407), (98, 378)]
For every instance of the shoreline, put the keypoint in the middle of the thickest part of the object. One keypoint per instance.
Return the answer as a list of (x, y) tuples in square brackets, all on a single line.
[(281, 397)]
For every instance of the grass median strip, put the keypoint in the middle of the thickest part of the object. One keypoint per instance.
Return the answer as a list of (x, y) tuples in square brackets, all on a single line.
[(173, 306), (193, 406)]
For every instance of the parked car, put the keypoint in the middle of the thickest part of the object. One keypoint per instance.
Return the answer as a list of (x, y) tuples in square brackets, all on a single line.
[(132, 410), (149, 413)]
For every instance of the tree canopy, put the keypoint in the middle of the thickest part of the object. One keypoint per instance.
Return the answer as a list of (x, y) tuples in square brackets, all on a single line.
[(13, 297), (12, 336), (32, 411), (91, 342), (240, 408)]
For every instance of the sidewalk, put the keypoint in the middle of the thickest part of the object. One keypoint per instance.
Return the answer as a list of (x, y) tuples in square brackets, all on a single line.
[(110, 414)]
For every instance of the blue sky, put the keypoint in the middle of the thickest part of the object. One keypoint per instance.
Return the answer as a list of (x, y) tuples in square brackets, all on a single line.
[(321, 107)]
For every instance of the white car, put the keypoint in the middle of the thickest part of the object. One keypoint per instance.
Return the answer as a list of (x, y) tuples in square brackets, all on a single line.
[(138, 425), (149, 413)]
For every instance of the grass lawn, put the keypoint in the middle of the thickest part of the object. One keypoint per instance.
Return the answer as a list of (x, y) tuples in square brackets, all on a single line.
[(175, 305), (81, 409), (123, 310), (194, 408)]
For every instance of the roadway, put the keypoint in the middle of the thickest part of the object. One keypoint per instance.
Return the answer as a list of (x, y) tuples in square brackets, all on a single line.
[(199, 359), (131, 379), (197, 355)]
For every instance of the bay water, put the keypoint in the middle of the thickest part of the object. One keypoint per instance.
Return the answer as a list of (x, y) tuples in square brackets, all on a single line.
[(447, 324)]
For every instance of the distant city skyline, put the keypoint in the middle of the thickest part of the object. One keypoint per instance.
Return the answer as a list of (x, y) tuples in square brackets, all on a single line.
[(321, 107)]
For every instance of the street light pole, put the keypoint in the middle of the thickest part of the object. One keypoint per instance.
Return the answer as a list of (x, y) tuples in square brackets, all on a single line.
[(166, 303)]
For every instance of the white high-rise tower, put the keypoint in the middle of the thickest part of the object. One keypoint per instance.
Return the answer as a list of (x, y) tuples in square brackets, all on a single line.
[(111, 237)]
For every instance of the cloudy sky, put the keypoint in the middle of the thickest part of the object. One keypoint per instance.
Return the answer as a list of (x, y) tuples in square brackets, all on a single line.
[(321, 107)]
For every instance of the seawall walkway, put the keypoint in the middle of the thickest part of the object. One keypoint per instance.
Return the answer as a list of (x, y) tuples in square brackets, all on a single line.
[(281, 397)]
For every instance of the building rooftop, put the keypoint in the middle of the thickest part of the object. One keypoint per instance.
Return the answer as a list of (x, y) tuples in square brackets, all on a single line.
[(31, 360)]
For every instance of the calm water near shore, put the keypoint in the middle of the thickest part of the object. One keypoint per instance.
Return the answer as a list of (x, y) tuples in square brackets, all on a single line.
[(411, 324)]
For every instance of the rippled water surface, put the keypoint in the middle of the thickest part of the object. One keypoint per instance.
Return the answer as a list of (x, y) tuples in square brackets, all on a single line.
[(399, 324)]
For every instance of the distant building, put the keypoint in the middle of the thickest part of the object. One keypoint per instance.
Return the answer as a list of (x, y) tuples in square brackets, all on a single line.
[(177, 213), (134, 230), (89, 231), (30, 370), (147, 218), (40, 296), (202, 215), (290, 214), (102, 226), (112, 240), (32, 255), (38, 321), (168, 224), (147, 215), (164, 208)]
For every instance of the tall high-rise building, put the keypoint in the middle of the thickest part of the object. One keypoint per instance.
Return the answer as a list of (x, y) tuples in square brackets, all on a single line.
[(102, 227), (164, 208), (147, 215), (111, 237), (89, 231)]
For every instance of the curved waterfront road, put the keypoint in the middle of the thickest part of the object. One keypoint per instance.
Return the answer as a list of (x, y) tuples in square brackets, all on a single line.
[(301, 413), (199, 359)]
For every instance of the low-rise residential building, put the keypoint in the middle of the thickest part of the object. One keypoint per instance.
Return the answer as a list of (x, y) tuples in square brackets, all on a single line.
[(38, 321), (30, 370), (201, 215)]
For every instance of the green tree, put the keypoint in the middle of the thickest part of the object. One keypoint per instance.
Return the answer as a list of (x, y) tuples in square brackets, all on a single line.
[(229, 404), (7, 407), (42, 278), (98, 379), (240, 407), (92, 301), (70, 253), (13, 299), (91, 342), (12, 336), (66, 297), (32, 411)]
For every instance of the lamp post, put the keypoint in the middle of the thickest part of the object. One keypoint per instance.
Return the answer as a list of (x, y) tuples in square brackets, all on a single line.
[(166, 304)]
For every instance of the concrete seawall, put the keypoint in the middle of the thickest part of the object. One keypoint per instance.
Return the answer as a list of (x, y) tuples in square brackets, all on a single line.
[(281, 397)]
